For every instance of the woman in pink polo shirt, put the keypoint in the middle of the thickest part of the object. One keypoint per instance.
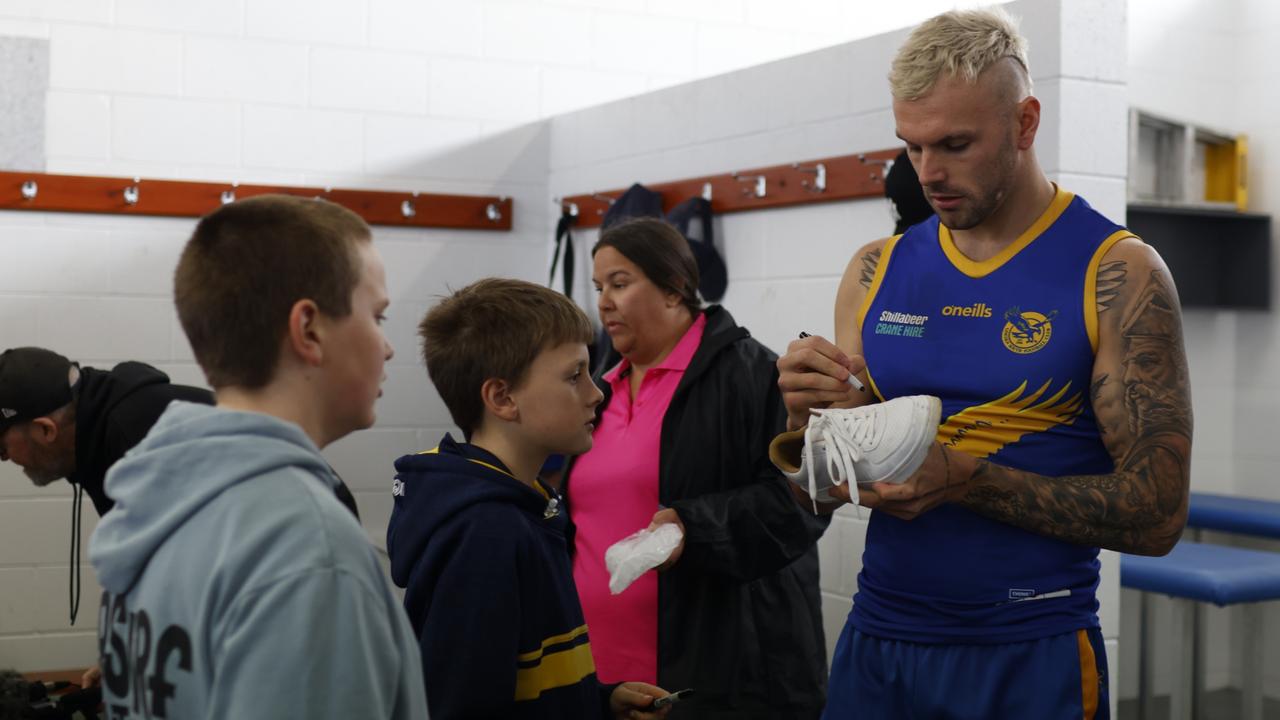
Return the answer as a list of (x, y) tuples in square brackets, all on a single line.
[(682, 438)]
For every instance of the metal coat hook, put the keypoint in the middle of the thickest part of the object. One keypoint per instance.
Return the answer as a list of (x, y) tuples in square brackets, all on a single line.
[(29, 190), (603, 198), (761, 188), (819, 183), (706, 191), (132, 193), (229, 196), (492, 212), (566, 208), (407, 207), (884, 164)]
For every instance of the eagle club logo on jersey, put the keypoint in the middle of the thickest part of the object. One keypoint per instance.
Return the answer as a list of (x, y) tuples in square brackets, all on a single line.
[(1026, 331)]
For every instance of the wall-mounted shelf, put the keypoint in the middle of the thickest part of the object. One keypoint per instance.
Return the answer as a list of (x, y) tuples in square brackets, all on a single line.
[(843, 177), (1218, 258), (1181, 164), (45, 192)]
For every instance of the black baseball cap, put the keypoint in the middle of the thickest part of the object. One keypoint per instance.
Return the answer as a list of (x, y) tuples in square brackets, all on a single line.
[(33, 383)]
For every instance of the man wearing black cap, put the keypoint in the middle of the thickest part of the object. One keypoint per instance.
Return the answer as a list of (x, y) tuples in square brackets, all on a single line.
[(58, 420)]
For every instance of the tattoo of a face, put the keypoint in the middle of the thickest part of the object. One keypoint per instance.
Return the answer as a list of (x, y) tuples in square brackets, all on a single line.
[(1154, 370), (1111, 278), (870, 262)]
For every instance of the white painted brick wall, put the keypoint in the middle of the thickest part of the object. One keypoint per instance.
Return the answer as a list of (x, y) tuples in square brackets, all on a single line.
[(78, 124), (219, 17), (134, 136), (484, 89), (341, 22), (234, 68), (118, 60), (73, 10), (447, 28), (359, 79), (322, 140)]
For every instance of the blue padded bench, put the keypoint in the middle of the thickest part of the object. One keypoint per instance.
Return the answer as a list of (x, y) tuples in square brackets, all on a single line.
[(1191, 573), (1240, 515)]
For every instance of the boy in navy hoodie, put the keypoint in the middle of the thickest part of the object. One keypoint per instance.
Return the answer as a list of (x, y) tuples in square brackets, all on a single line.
[(477, 539)]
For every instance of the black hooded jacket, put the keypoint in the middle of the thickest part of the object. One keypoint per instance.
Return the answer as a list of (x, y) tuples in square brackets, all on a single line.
[(114, 410), (739, 615)]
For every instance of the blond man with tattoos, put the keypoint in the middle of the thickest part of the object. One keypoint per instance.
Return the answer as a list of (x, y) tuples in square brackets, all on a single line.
[(1053, 338)]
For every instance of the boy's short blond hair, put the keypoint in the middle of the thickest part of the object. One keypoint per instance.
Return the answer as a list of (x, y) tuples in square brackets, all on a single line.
[(959, 43), (493, 328)]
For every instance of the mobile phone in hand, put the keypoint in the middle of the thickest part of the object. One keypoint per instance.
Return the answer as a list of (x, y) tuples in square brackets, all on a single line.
[(673, 698)]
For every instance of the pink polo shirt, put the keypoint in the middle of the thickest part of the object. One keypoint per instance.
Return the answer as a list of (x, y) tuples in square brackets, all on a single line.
[(614, 491)]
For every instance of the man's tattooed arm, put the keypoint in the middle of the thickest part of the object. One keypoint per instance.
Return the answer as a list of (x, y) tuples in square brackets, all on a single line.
[(1141, 397)]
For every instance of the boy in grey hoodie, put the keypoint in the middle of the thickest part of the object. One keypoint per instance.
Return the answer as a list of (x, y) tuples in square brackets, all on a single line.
[(235, 585)]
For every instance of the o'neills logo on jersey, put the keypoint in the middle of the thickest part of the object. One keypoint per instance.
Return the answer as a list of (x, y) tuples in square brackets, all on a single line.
[(976, 310), (1026, 331)]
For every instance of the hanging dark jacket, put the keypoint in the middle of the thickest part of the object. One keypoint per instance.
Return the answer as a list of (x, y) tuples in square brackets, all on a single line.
[(739, 615)]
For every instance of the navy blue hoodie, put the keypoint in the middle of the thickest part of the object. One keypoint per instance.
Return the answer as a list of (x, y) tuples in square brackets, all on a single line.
[(489, 590)]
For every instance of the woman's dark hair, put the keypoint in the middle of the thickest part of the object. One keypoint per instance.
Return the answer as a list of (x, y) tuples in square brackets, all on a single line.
[(661, 253)]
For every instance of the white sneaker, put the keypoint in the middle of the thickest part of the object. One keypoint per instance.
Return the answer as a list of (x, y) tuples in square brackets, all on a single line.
[(885, 442)]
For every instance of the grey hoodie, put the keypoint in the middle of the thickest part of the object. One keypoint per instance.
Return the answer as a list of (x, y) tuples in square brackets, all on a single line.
[(236, 586)]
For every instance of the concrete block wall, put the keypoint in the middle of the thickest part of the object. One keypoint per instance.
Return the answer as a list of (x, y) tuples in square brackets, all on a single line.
[(1211, 63), (784, 265)]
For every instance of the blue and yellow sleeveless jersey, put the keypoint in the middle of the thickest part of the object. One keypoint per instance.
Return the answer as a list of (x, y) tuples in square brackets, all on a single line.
[(1008, 345)]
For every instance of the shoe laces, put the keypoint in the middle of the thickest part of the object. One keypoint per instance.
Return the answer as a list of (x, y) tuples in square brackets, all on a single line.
[(844, 434)]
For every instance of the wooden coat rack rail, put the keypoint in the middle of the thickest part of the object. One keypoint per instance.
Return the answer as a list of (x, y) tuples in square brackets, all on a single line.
[(136, 196), (843, 177)]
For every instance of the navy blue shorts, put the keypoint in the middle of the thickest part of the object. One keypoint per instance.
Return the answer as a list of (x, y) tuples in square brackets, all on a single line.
[(1064, 676)]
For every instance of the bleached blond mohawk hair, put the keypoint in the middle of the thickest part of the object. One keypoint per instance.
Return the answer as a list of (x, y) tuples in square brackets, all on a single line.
[(959, 43)]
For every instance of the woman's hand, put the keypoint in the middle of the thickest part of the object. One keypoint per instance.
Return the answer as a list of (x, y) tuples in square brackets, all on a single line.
[(629, 700), (663, 517)]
